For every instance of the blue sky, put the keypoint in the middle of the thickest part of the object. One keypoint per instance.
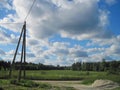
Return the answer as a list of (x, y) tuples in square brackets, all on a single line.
[(114, 25), (62, 31)]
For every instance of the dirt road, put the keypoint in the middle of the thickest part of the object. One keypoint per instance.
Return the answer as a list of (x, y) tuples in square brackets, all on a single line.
[(75, 84)]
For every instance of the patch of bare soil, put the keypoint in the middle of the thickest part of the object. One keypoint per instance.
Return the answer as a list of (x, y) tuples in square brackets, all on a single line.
[(97, 85), (105, 84)]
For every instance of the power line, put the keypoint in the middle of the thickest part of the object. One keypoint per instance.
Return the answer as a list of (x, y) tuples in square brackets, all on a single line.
[(29, 10), (11, 23), (25, 17)]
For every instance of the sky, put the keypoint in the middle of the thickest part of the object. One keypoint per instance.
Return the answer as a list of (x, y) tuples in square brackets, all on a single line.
[(61, 32)]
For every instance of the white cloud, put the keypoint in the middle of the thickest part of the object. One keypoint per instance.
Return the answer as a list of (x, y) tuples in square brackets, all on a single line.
[(95, 50), (5, 4), (104, 17), (58, 52), (78, 52), (2, 52), (110, 2), (114, 49), (77, 19), (11, 22), (5, 38)]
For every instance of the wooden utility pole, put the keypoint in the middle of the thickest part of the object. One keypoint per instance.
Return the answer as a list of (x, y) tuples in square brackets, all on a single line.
[(24, 50), (23, 53)]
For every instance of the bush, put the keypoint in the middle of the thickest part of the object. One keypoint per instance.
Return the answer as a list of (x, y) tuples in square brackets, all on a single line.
[(13, 81), (88, 81), (25, 83), (47, 86), (30, 84), (87, 73), (113, 72)]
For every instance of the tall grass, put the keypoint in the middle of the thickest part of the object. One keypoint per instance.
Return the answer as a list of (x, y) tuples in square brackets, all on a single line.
[(28, 85), (64, 75)]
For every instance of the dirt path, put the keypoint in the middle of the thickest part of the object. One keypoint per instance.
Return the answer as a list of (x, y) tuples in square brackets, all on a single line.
[(74, 84)]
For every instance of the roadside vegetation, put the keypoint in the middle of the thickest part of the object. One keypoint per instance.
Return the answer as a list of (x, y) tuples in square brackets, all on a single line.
[(28, 85), (65, 75)]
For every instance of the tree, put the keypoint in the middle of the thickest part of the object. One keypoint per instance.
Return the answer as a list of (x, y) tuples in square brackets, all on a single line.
[(76, 66), (84, 66), (103, 65)]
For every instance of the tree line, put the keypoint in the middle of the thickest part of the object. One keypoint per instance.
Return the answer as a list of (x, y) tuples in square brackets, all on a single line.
[(111, 66), (79, 66), (4, 65)]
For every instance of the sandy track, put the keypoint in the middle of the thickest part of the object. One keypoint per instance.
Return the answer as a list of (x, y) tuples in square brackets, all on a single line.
[(75, 84)]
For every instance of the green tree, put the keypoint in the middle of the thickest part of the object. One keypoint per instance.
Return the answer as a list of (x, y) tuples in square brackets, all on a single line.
[(103, 65), (76, 66)]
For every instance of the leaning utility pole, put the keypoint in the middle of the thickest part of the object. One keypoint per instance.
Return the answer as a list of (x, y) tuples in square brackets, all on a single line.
[(23, 54)]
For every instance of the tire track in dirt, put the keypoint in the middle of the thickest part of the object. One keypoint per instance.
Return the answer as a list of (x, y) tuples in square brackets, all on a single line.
[(78, 86)]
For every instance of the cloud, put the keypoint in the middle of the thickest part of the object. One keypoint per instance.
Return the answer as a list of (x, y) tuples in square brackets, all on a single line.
[(12, 52), (30, 55), (11, 22), (58, 52), (108, 58), (5, 4), (78, 53), (95, 50), (2, 52), (32, 42), (110, 2), (115, 49), (72, 19), (104, 17), (78, 19), (69, 23), (5, 38)]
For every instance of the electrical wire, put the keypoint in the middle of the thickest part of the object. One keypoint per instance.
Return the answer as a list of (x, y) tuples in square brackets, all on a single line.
[(25, 17), (29, 10), (11, 23)]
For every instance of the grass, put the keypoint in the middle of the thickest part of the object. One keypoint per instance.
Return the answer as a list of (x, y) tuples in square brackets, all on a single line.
[(100, 75), (28, 85), (54, 75), (64, 75), (117, 88), (48, 74)]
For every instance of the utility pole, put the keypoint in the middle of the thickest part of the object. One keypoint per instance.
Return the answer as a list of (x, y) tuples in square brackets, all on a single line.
[(23, 53), (24, 74)]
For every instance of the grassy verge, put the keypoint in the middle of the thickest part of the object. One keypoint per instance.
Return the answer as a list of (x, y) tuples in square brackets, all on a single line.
[(64, 75), (117, 88), (28, 85), (90, 79)]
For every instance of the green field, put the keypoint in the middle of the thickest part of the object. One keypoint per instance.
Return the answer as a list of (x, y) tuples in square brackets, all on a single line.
[(63, 75), (84, 76)]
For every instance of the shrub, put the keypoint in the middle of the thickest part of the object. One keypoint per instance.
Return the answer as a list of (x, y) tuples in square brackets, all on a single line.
[(47, 86), (30, 84), (113, 72), (25, 83), (88, 81), (13, 81), (87, 73)]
